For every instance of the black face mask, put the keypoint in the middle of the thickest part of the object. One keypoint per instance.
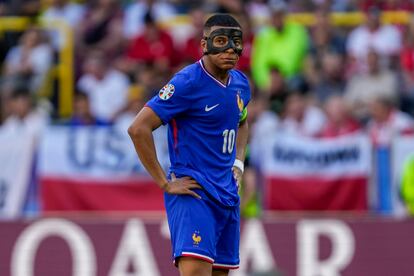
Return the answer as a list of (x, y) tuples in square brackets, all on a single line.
[(222, 39)]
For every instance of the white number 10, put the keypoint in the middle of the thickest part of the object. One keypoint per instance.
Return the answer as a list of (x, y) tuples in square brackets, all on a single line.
[(229, 137)]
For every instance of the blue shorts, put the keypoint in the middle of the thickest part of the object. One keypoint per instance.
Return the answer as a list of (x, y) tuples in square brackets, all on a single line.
[(203, 229)]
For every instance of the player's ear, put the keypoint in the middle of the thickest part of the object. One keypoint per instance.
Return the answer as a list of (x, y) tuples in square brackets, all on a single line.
[(203, 44)]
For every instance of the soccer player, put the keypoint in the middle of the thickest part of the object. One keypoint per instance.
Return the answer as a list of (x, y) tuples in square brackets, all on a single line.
[(204, 106)]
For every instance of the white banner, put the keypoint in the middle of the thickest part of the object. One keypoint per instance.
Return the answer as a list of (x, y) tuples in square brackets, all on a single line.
[(298, 156), (102, 152), (16, 159)]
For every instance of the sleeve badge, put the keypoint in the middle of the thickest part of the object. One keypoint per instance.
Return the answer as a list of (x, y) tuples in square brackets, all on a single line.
[(166, 92)]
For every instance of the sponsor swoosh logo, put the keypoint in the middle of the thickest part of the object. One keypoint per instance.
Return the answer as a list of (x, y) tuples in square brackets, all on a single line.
[(207, 109)]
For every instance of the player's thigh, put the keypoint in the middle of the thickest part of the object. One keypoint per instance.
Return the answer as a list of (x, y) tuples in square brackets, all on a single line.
[(227, 249), (192, 227), (189, 266), (220, 272)]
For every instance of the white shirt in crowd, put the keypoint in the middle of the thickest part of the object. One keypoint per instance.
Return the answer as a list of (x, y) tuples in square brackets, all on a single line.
[(108, 95), (385, 41), (71, 14), (40, 59), (364, 88), (310, 126), (135, 13), (266, 125), (32, 125), (398, 123)]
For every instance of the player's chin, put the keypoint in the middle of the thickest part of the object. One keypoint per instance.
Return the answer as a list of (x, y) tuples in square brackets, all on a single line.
[(228, 64)]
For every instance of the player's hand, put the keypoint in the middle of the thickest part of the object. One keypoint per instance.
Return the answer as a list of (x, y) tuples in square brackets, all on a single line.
[(238, 175), (182, 186)]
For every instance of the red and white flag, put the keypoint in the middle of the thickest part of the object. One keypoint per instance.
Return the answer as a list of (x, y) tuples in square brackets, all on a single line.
[(96, 168), (315, 174)]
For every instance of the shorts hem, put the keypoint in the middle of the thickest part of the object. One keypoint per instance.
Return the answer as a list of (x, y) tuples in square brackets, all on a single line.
[(196, 256), (225, 266)]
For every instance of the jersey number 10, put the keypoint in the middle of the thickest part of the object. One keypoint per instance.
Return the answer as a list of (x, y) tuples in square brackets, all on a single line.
[(229, 137)]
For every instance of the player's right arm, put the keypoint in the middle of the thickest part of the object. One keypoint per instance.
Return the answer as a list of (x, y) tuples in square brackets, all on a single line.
[(140, 132)]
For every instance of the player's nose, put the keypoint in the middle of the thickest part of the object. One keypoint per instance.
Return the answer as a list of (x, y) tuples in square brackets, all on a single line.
[(230, 51)]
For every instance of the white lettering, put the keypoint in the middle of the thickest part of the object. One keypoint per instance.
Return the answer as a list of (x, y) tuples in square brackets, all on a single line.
[(343, 247), (165, 229), (254, 249), (81, 248), (134, 249)]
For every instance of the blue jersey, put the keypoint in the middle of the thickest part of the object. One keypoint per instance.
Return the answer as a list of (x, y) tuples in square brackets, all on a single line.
[(203, 116)]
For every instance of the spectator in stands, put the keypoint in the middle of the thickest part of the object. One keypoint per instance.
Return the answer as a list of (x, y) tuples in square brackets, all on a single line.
[(259, 13), (154, 47), (264, 123), (29, 8), (101, 28), (282, 45), (407, 68), (387, 121), (68, 11), (378, 81), (324, 41), (64, 11), (4, 8), (30, 60), (330, 79), (229, 6), (338, 118), (248, 38), (300, 117), (136, 101), (383, 39), (82, 114), (387, 5), (23, 117), (106, 87), (150, 78), (134, 20), (192, 50), (277, 92)]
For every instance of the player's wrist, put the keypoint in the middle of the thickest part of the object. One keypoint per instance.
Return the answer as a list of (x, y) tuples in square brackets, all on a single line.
[(165, 186), (239, 164)]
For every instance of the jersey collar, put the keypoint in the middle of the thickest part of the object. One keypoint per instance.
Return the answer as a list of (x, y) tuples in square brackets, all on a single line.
[(211, 76)]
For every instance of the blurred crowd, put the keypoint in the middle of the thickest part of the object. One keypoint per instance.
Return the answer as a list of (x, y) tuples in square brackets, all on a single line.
[(318, 81)]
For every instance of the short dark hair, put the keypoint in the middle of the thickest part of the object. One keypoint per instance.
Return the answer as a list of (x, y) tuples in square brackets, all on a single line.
[(20, 92), (221, 19)]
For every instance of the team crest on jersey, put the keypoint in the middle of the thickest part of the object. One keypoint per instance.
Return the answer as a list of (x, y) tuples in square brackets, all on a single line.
[(240, 102), (166, 92), (196, 238)]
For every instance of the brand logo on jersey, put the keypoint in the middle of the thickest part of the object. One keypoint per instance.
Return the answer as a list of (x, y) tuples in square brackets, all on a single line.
[(166, 92), (209, 108), (240, 102), (196, 237)]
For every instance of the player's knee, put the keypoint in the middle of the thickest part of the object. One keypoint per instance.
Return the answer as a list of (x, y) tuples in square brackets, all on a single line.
[(220, 272), (194, 267)]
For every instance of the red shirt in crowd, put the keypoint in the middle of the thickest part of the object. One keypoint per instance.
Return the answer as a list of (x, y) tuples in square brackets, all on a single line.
[(332, 130), (244, 62), (192, 49), (407, 59), (398, 5), (149, 51)]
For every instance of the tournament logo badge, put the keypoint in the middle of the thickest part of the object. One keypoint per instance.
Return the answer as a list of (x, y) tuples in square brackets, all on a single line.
[(166, 92)]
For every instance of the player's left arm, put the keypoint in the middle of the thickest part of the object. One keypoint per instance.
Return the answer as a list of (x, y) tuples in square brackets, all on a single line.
[(241, 143)]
